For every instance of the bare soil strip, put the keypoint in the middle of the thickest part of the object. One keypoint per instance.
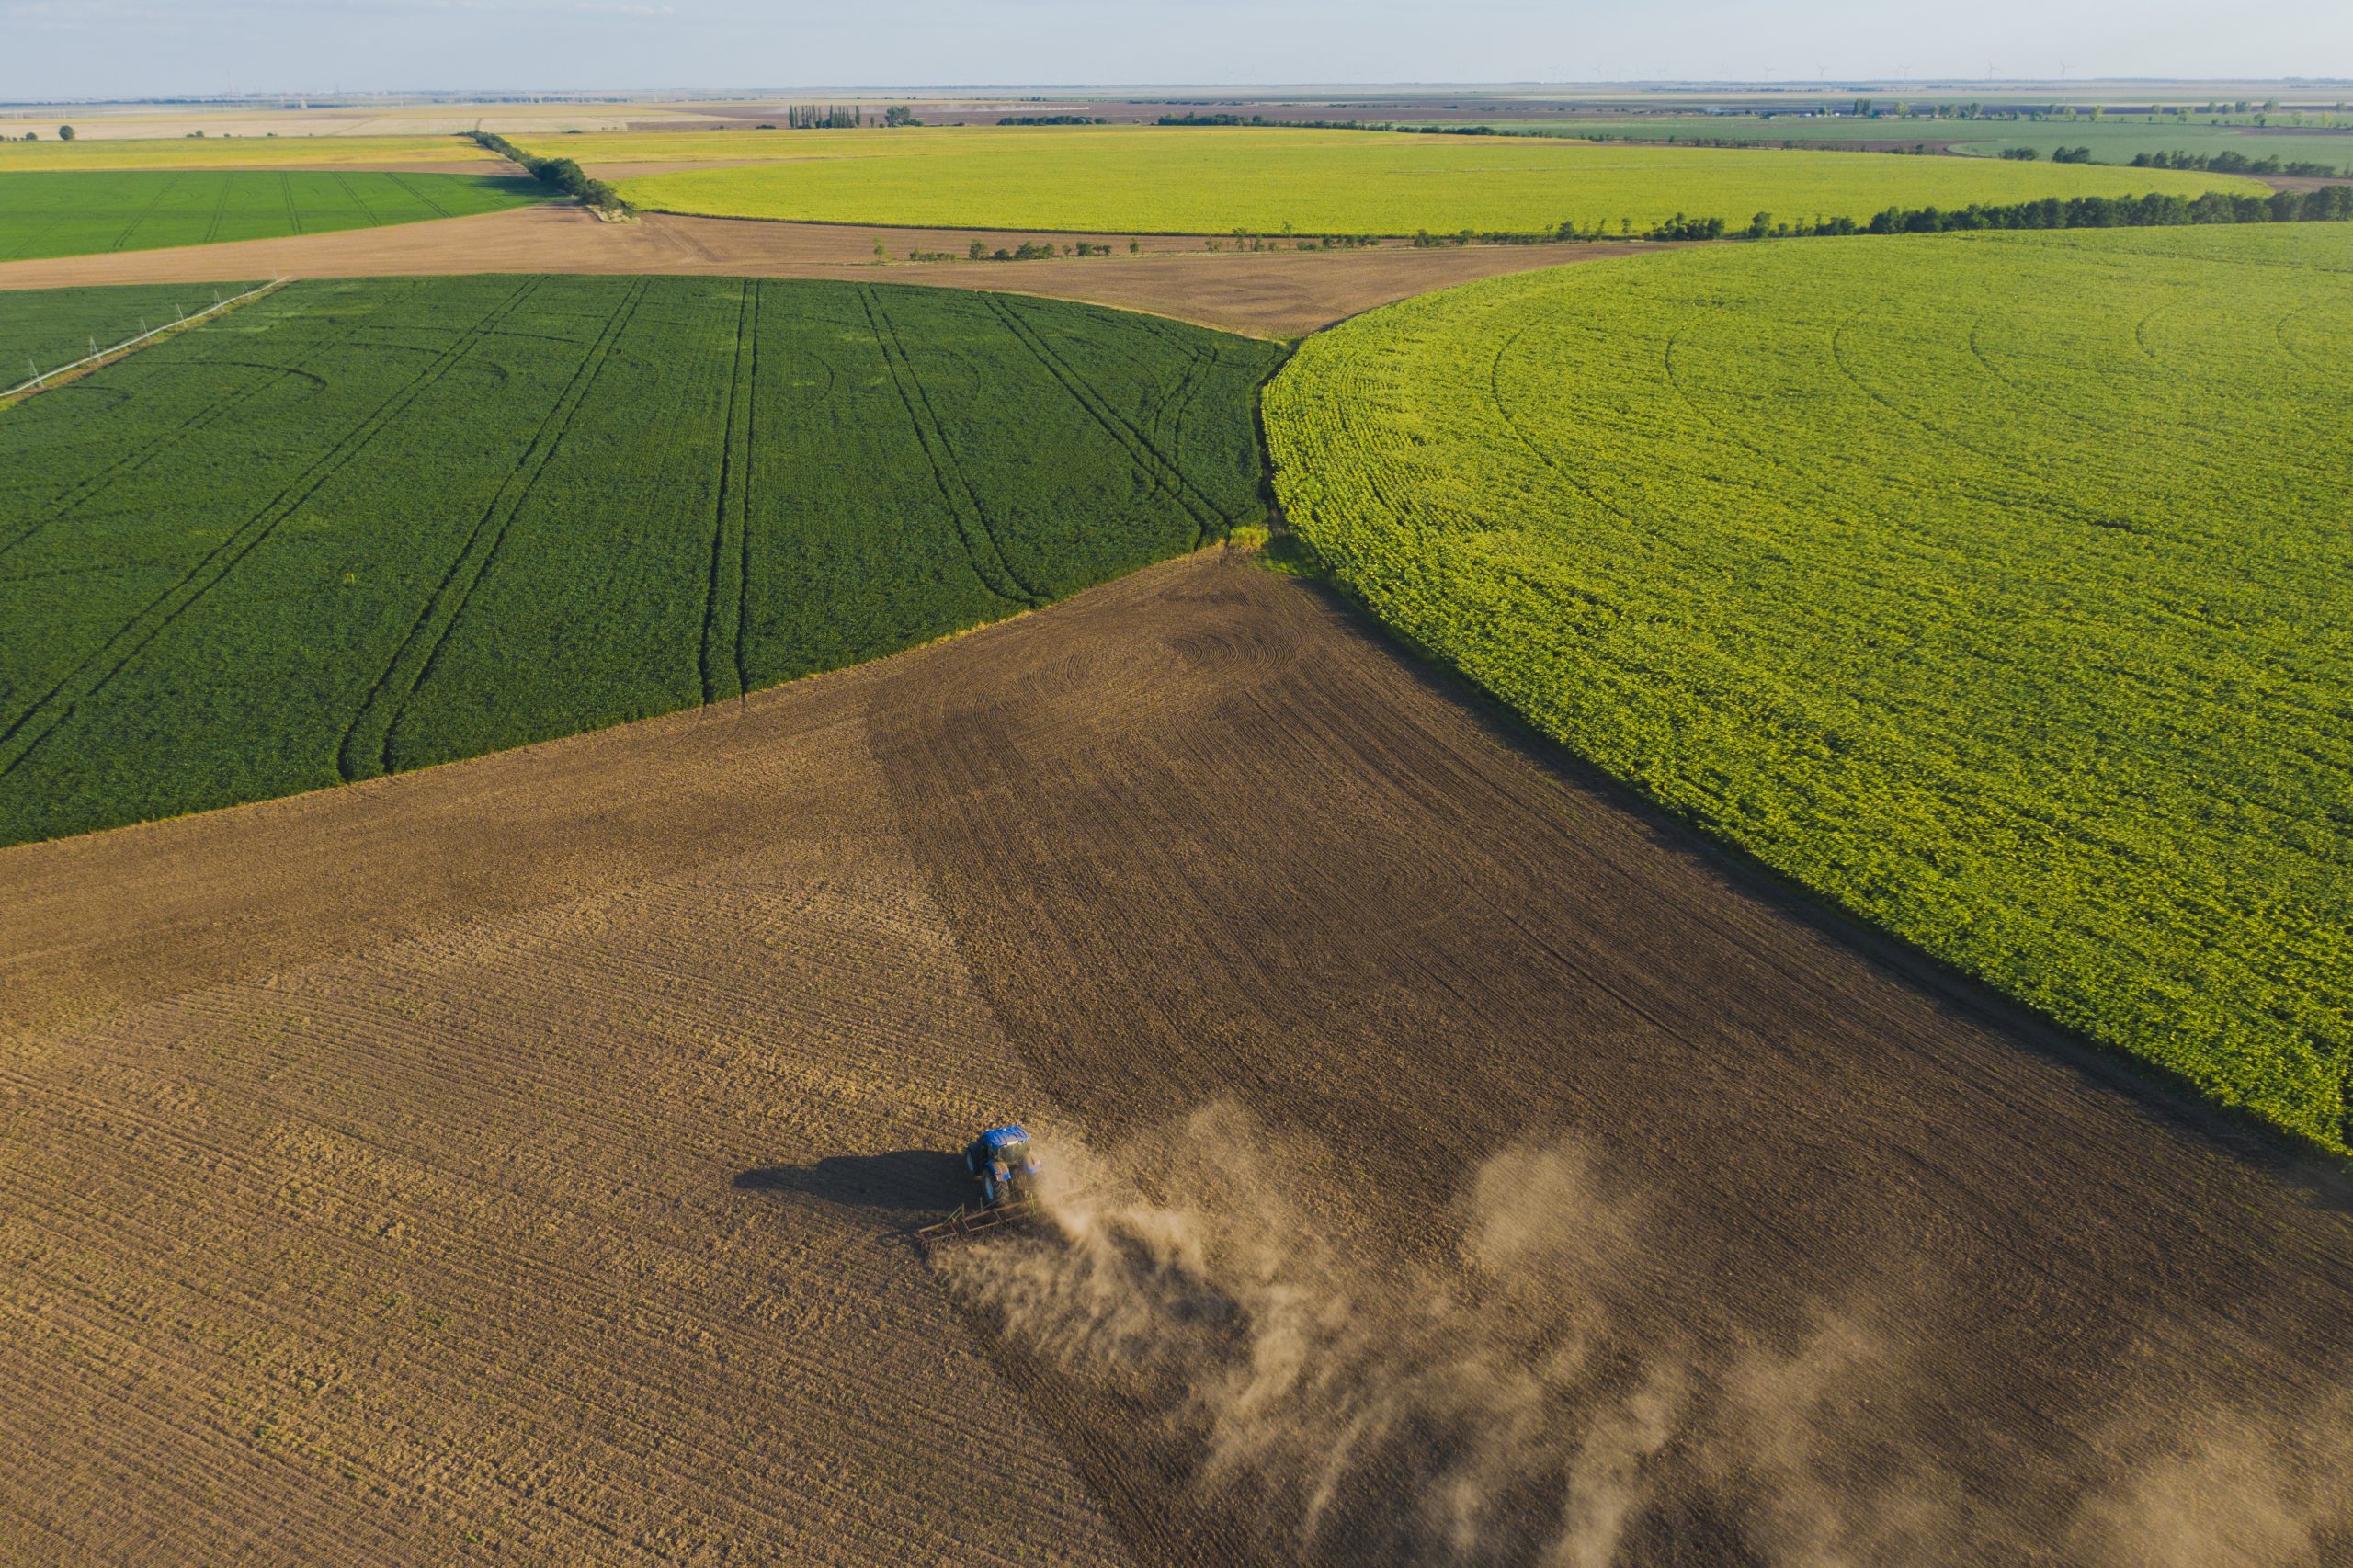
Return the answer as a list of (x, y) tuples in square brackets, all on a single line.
[(1272, 293), (509, 1152)]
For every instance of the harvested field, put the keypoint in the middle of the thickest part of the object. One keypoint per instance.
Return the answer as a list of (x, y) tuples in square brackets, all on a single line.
[(500, 1158), (1272, 293)]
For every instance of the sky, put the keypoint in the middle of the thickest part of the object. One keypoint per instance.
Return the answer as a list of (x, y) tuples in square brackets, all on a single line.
[(68, 48)]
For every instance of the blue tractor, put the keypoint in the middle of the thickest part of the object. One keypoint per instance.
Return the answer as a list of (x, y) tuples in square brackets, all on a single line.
[(1000, 1161)]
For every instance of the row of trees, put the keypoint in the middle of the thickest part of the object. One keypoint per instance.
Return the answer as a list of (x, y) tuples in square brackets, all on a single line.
[(2231, 163), (2330, 203), (823, 116), (563, 174), (844, 116)]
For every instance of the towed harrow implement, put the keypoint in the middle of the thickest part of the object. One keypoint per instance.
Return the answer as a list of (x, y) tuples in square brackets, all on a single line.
[(973, 1219)]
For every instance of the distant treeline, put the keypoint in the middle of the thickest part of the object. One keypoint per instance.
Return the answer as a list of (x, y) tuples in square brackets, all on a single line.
[(2329, 204), (1056, 119), (823, 116), (561, 172), (2231, 163), (1326, 124)]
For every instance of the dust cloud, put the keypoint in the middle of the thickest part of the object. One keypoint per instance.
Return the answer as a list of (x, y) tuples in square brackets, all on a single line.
[(1334, 1403)]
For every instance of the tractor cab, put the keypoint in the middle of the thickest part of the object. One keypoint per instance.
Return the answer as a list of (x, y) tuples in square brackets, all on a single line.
[(1000, 1161)]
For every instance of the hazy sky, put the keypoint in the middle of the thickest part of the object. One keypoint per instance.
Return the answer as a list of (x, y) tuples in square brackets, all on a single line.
[(86, 48)]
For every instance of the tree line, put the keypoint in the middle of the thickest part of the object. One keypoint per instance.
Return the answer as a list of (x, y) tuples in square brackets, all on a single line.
[(2228, 163), (2329, 204), (561, 174)]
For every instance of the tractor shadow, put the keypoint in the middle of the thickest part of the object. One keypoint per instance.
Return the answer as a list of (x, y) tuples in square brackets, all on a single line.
[(913, 1181)]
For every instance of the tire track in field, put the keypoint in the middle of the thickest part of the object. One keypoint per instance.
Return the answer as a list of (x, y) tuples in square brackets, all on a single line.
[(75, 496), (969, 516), (731, 499), (366, 747), (2279, 332), (2039, 405), (66, 502), (86, 679), (358, 201), (1149, 458), (220, 209), (1839, 357), (161, 190), (1721, 428), (1519, 431), (285, 189), (402, 180), (1172, 414)]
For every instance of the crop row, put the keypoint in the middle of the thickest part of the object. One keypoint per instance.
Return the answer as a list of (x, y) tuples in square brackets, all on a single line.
[(370, 526), (1988, 586)]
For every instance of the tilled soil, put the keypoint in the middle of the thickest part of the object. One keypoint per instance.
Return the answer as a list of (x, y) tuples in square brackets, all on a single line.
[(509, 1157), (1270, 293)]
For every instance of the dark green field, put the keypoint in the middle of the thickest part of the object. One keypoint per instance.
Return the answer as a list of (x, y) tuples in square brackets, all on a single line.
[(43, 328), (77, 212), (360, 526)]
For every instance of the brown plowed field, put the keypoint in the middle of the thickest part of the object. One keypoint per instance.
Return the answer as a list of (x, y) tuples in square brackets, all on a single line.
[(506, 1157), (1272, 293)]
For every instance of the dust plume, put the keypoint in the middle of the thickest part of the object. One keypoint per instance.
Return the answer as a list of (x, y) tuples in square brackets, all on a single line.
[(1335, 1398)]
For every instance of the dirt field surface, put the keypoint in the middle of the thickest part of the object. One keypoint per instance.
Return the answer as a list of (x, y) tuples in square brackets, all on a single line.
[(508, 1158), (1274, 293)]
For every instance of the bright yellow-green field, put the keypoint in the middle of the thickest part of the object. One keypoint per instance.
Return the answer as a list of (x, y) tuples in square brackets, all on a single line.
[(1991, 585), (238, 151), (1180, 180)]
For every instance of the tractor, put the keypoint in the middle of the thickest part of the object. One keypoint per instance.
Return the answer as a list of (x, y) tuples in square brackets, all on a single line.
[(1000, 1162)]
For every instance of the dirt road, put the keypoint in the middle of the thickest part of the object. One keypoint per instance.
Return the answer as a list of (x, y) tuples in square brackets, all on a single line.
[(1272, 293), (504, 1157)]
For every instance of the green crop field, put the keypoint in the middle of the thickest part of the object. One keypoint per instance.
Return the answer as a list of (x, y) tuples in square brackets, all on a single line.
[(43, 328), (1181, 180), (352, 528), (1994, 586), (80, 214), (2111, 139), (240, 152)]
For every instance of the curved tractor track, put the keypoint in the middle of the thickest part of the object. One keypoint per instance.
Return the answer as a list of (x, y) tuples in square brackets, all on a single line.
[(508, 1157)]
